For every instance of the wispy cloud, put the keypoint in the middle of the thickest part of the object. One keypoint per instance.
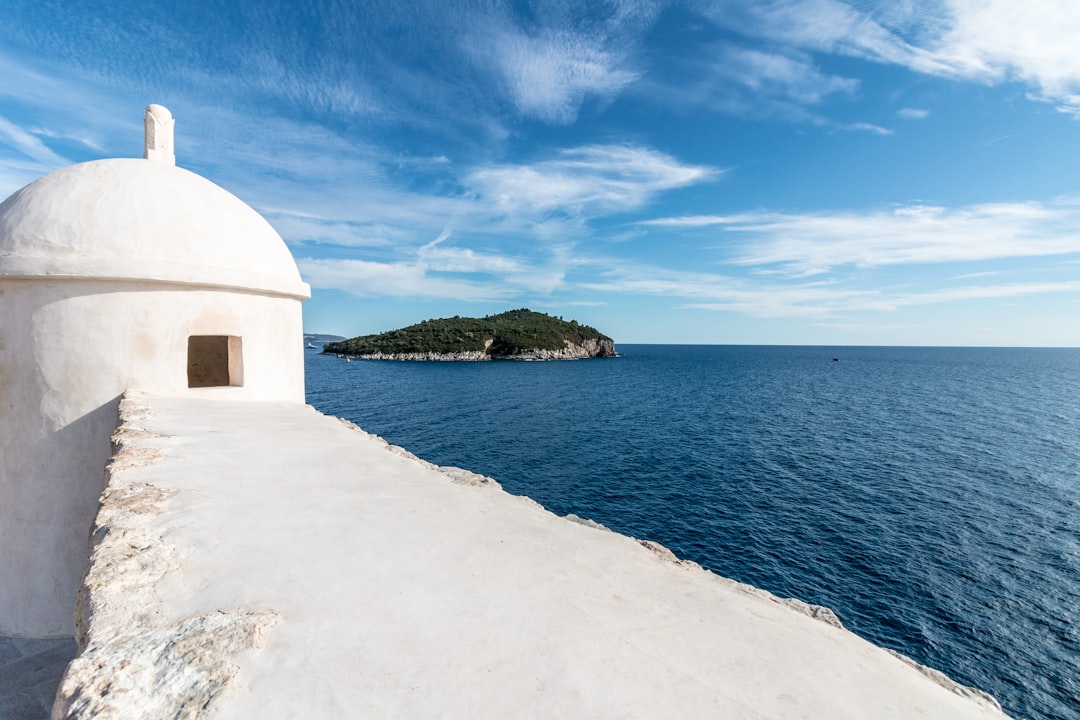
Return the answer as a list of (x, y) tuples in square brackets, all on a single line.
[(828, 26), (801, 244), (913, 113), (81, 138), (778, 76), (366, 278), (302, 227), (1033, 41), (737, 79), (715, 291), (551, 200), (564, 54), (985, 292), (987, 41), (28, 144), (867, 127), (596, 179), (440, 258), (435, 270), (808, 300), (548, 77)]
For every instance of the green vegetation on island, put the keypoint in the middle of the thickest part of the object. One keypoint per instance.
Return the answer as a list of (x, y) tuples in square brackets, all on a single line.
[(515, 333)]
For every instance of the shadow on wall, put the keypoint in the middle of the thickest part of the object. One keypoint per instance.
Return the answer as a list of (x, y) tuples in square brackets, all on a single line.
[(65, 485)]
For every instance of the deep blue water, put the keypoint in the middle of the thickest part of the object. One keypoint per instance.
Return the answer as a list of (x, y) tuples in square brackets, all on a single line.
[(929, 496)]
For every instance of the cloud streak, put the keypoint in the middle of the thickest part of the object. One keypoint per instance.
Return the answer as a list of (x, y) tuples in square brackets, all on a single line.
[(814, 243), (1034, 42), (438, 271), (806, 300), (988, 41), (28, 144), (590, 180), (549, 77), (566, 53)]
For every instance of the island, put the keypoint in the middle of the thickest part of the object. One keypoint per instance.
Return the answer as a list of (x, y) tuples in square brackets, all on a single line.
[(512, 335)]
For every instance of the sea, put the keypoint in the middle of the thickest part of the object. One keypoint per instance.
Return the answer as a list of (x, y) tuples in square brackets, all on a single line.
[(929, 496)]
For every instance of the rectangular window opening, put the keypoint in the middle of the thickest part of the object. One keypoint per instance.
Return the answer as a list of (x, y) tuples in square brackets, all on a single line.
[(215, 361)]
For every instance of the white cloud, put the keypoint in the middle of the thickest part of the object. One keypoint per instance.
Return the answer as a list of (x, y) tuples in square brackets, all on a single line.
[(829, 26), (548, 77), (1034, 41), (440, 270), (913, 113), (692, 221), (802, 244), (867, 127), (301, 227), (769, 74), (394, 279), (597, 179), (29, 145), (563, 53), (436, 258), (988, 41), (969, 276), (80, 138), (328, 87), (985, 292), (720, 292), (553, 201), (808, 300), (752, 82)]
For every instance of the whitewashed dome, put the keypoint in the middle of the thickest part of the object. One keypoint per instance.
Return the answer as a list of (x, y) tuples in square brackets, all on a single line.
[(138, 219)]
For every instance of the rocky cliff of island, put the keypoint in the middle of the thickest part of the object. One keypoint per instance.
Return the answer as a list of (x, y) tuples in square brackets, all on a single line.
[(513, 335)]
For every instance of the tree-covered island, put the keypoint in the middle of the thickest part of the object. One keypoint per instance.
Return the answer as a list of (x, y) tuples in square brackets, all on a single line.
[(515, 334)]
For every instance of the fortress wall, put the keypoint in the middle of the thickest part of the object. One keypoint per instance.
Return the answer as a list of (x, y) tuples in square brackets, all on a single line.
[(337, 576)]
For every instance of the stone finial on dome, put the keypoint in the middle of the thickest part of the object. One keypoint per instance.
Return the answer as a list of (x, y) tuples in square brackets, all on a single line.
[(158, 143)]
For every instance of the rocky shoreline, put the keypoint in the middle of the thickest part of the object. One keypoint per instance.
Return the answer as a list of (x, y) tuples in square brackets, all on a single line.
[(588, 349)]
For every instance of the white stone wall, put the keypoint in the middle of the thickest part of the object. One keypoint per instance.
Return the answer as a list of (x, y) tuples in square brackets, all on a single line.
[(68, 350)]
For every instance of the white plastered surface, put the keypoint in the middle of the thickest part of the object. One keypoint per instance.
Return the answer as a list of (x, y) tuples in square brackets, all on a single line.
[(402, 594), (131, 219)]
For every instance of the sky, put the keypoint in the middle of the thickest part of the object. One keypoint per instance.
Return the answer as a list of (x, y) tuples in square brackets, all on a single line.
[(705, 171)]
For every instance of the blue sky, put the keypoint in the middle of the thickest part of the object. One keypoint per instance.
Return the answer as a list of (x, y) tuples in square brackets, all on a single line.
[(779, 172)]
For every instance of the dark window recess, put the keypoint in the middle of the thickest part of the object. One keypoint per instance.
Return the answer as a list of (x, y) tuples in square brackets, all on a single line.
[(215, 361)]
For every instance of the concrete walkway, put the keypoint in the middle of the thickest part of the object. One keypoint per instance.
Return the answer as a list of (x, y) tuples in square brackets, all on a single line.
[(30, 672), (262, 560)]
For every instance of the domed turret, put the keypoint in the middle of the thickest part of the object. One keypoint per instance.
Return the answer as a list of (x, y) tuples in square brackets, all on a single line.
[(130, 219), (118, 275)]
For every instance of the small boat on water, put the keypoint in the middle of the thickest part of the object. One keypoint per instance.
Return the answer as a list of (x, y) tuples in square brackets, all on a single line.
[(310, 346)]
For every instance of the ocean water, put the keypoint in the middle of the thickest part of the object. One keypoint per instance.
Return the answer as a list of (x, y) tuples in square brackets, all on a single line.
[(929, 496)]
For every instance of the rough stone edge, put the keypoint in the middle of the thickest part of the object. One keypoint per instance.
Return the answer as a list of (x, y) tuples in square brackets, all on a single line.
[(965, 691), (587, 523), (826, 615), (132, 663), (816, 612), (466, 477), (457, 475)]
